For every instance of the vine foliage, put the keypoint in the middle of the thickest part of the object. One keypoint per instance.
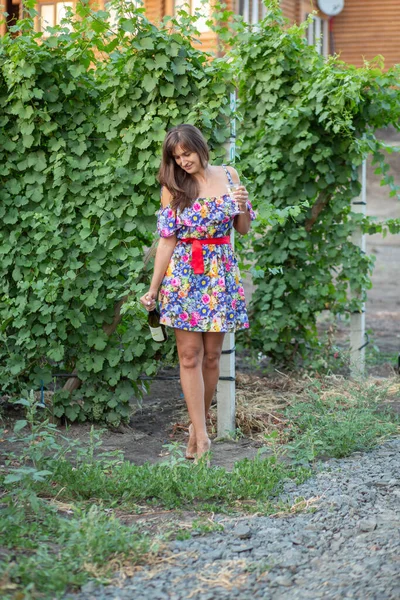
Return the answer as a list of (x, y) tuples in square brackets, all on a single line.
[(83, 112), (308, 123)]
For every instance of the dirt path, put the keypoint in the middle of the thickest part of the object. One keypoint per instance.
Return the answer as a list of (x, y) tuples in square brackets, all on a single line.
[(163, 420)]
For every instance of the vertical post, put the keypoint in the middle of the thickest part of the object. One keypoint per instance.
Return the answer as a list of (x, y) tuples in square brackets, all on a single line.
[(317, 34), (226, 388), (357, 319), (254, 13), (246, 11)]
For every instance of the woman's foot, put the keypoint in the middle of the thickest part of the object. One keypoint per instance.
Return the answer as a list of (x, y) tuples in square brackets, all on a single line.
[(203, 449), (191, 448)]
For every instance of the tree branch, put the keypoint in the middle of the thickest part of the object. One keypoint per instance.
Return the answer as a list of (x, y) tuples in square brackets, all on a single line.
[(317, 208)]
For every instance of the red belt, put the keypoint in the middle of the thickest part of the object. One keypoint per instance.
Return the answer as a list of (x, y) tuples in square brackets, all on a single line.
[(197, 250)]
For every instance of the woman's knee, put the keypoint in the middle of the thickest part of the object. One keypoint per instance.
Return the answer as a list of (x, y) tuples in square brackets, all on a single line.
[(211, 360), (190, 358)]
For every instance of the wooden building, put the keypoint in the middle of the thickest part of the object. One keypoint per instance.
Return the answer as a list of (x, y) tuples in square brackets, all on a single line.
[(363, 30)]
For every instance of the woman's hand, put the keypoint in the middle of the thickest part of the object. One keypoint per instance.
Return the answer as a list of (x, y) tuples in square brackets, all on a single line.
[(149, 300), (241, 197), (242, 221)]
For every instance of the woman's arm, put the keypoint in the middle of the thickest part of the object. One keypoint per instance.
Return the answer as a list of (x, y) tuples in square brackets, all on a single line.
[(241, 222), (164, 252)]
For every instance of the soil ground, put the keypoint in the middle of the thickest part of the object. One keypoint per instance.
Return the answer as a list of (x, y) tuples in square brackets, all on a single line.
[(162, 419)]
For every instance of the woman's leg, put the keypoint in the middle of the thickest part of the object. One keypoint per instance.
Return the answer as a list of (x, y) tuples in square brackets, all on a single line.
[(191, 352), (212, 354)]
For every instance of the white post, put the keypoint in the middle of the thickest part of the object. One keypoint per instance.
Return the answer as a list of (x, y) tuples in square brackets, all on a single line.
[(246, 11), (226, 406), (357, 319), (226, 388), (254, 13)]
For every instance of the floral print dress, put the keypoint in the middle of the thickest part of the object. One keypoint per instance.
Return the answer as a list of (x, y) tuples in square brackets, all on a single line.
[(213, 300)]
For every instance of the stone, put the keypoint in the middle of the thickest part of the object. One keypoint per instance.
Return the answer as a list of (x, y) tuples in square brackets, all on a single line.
[(89, 588), (291, 558), (284, 580), (366, 525), (215, 555), (242, 532), (297, 540), (269, 532), (243, 548), (335, 546)]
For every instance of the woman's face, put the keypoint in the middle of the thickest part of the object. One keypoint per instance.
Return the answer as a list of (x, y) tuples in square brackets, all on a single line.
[(187, 160)]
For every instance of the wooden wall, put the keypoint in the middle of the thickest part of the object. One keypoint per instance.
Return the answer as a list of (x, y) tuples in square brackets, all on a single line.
[(155, 10), (290, 9), (366, 28)]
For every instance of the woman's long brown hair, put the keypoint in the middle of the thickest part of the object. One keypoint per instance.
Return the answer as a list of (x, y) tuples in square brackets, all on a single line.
[(182, 186)]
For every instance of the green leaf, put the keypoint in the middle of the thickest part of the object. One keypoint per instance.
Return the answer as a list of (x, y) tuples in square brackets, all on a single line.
[(167, 90), (13, 478), (162, 61), (91, 300), (41, 475), (28, 140), (146, 43), (113, 356), (149, 82), (128, 25), (98, 339), (99, 26), (56, 354), (72, 412), (20, 425)]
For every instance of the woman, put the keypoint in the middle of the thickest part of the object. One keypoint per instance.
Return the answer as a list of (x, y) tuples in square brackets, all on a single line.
[(201, 294)]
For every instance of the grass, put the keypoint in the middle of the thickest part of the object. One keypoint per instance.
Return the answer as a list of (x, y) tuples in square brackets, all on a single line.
[(50, 553), (376, 357), (338, 421), (68, 511), (181, 485)]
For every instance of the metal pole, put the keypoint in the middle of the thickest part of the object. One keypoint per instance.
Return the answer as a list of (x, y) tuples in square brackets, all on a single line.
[(226, 388), (357, 320)]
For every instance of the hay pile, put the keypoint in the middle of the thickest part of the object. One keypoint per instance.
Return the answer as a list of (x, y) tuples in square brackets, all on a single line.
[(261, 401)]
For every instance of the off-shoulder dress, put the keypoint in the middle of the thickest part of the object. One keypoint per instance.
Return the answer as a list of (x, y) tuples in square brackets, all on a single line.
[(211, 301)]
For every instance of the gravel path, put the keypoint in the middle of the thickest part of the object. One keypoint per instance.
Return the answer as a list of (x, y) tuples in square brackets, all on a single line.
[(347, 545)]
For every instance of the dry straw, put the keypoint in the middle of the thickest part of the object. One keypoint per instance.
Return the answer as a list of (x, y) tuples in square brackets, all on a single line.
[(261, 401)]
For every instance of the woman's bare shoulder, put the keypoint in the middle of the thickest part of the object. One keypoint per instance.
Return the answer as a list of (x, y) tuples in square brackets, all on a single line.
[(166, 197), (234, 174)]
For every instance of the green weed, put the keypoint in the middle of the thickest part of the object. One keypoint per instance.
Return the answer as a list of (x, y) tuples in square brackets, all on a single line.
[(204, 526), (374, 356), (337, 423), (173, 486), (49, 553)]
